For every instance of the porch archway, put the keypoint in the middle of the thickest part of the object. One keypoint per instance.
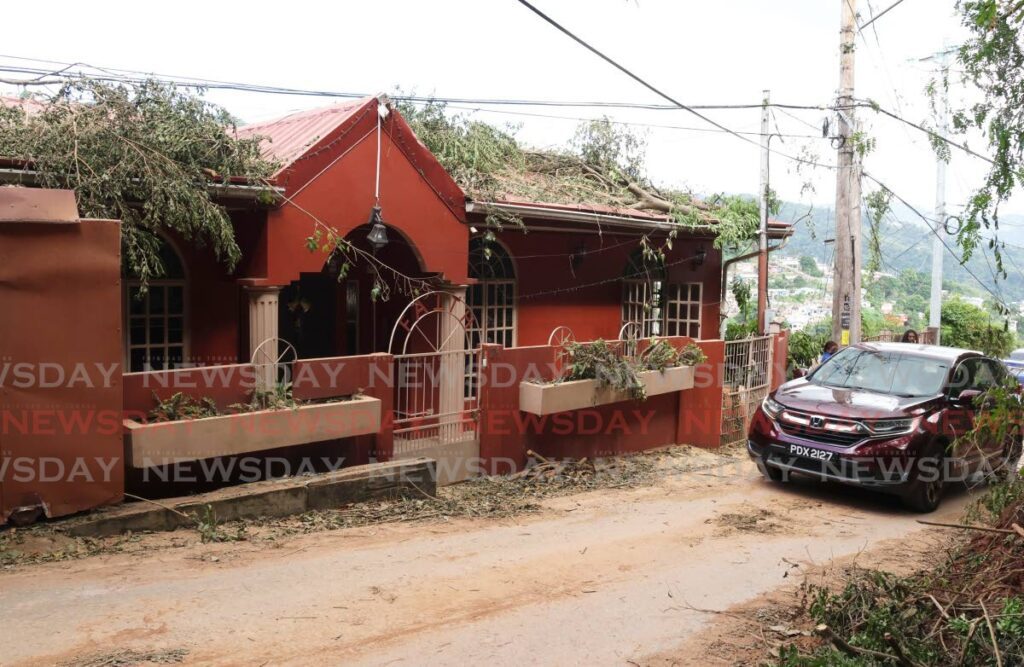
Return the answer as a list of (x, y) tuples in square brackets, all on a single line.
[(335, 312)]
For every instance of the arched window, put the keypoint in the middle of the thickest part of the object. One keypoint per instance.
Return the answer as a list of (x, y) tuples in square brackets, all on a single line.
[(493, 297), (659, 307), (156, 325)]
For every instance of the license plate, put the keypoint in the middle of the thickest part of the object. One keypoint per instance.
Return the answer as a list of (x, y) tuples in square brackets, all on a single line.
[(810, 453)]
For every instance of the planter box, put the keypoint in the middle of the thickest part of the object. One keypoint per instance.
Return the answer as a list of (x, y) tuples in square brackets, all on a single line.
[(547, 399), (190, 440)]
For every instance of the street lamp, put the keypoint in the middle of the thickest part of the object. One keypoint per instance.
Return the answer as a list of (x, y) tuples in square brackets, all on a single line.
[(378, 236)]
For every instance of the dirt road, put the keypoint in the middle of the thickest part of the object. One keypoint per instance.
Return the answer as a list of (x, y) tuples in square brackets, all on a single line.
[(598, 578)]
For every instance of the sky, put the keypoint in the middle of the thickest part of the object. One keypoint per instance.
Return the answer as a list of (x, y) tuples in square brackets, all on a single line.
[(707, 52)]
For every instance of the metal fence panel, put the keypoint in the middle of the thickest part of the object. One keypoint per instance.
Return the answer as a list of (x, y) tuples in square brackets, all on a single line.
[(746, 379)]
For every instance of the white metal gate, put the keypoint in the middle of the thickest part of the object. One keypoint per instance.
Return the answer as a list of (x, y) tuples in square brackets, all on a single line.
[(436, 385), (746, 379)]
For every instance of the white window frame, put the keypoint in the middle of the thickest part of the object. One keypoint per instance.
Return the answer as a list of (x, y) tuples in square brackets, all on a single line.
[(482, 300), (130, 285), (663, 308), (682, 312)]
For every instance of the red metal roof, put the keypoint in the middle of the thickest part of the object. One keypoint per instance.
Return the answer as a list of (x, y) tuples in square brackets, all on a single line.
[(289, 137), (29, 105)]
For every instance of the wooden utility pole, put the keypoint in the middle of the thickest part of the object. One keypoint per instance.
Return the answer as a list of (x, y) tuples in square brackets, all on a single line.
[(762, 257), (846, 276)]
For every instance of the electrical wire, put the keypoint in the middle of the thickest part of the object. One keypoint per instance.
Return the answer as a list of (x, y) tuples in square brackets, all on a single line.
[(880, 15), (928, 223)]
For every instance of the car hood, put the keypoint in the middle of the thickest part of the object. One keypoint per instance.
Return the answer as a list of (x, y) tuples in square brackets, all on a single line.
[(818, 399)]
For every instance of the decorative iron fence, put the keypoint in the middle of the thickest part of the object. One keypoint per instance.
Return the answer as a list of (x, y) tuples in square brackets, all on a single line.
[(746, 379)]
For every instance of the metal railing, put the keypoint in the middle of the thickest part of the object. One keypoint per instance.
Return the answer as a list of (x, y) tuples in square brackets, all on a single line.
[(434, 402), (746, 379)]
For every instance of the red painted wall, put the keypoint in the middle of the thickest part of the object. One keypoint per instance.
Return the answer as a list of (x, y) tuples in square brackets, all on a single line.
[(700, 408), (342, 197), (506, 433), (587, 298)]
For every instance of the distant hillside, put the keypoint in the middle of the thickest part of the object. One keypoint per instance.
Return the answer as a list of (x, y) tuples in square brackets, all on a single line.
[(908, 245)]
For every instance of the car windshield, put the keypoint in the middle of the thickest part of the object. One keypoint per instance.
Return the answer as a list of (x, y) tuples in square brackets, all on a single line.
[(893, 373)]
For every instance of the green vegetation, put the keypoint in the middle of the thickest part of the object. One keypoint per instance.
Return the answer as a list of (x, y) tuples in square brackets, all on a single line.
[(907, 245), (804, 349), (599, 361), (144, 154), (602, 361), (991, 60), (810, 267), (180, 406), (603, 164), (964, 325)]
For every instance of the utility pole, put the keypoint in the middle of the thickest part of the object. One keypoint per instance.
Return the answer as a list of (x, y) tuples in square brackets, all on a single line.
[(762, 257), (846, 277), (935, 314)]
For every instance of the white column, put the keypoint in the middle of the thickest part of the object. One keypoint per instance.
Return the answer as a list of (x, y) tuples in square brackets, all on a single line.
[(452, 345), (264, 307)]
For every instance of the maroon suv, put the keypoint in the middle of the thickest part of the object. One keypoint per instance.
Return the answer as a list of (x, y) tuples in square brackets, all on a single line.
[(882, 415)]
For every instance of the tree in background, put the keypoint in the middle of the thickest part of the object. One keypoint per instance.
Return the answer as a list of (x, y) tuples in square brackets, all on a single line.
[(744, 323), (991, 60), (810, 267), (968, 326), (144, 154)]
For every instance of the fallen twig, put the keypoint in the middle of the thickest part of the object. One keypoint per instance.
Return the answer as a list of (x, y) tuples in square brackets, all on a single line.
[(166, 507), (992, 635), (963, 526)]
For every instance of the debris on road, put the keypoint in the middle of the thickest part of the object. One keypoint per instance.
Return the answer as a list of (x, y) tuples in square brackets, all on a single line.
[(497, 497)]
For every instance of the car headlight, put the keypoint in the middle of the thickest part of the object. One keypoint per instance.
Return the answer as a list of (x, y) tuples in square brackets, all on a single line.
[(771, 407), (894, 426)]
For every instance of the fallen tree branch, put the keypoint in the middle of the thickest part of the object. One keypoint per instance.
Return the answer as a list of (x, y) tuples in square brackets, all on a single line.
[(826, 633)]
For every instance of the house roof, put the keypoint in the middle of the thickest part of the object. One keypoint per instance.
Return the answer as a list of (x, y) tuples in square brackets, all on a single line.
[(305, 142), (27, 104), (288, 138), (599, 214)]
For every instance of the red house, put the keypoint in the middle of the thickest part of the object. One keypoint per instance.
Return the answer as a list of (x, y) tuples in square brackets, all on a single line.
[(574, 265), (431, 314)]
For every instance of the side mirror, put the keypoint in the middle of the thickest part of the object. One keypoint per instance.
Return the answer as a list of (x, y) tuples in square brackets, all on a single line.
[(967, 398)]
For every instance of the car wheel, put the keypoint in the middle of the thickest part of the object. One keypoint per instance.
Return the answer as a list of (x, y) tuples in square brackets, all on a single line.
[(925, 494)]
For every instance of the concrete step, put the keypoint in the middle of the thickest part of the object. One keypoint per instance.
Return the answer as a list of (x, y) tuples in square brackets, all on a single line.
[(271, 498)]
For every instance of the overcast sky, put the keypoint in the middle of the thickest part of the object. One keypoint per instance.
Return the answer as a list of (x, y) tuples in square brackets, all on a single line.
[(707, 52)]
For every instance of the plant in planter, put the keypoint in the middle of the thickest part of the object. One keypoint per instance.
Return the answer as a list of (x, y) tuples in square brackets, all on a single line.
[(181, 406), (692, 355), (661, 355), (598, 361), (278, 397)]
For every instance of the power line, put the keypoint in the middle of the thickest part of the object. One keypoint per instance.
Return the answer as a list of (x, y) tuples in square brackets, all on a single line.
[(928, 223), (880, 15), (110, 75), (631, 75), (622, 122)]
